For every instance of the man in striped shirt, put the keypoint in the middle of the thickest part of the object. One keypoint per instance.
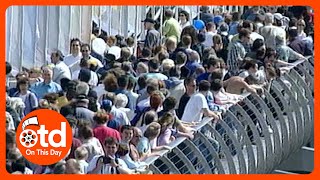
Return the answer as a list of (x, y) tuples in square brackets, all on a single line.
[(237, 51)]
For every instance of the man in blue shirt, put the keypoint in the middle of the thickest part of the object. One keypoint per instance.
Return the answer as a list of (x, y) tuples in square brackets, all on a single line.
[(47, 86)]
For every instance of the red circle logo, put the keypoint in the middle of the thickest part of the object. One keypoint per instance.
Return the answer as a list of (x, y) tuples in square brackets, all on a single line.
[(44, 137)]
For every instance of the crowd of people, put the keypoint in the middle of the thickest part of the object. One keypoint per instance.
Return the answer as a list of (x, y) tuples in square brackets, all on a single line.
[(125, 107)]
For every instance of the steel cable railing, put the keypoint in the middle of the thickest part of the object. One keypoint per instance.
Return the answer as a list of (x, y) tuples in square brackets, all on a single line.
[(255, 136)]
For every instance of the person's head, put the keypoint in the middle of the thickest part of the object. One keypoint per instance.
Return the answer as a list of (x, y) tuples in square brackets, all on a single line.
[(73, 167), (85, 132), (168, 13), (110, 83), (244, 35), (82, 88), (123, 81), (126, 133), (35, 72), (125, 53), (142, 68), (181, 58), (23, 85), (152, 131), (47, 74), (191, 85), (122, 100), (111, 41), (216, 74), (130, 41), (154, 64), (60, 168), (146, 53), (210, 27), (259, 47), (191, 31), (81, 153), (56, 56), (301, 24), (101, 118), (217, 42), (251, 66), (183, 16), (131, 83), (111, 146), (10, 139), (166, 121), (293, 33), (85, 50), (171, 44), (155, 101), (235, 16), (169, 103), (149, 23), (270, 72), (271, 55), (8, 68), (52, 98), (269, 19), (150, 116), (216, 85), (186, 40), (213, 63), (111, 96), (204, 86), (137, 134), (75, 45)]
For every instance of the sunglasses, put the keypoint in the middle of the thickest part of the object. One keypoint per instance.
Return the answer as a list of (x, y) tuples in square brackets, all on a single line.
[(74, 45), (84, 50), (181, 15)]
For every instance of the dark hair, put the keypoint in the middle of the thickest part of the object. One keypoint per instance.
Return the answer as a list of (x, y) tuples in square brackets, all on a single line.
[(270, 52), (131, 82), (188, 80), (217, 74), (204, 85), (123, 81), (126, 127), (51, 97), (191, 31), (168, 13), (110, 141), (8, 68), (22, 81), (181, 58), (186, 14), (201, 37), (251, 79), (169, 103), (146, 52), (216, 85), (246, 24), (293, 33), (86, 45), (154, 64), (249, 64), (85, 132), (142, 82), (235, 16), (257, 44), (155, 101), (244, 33), (210, 25), (186, 40)]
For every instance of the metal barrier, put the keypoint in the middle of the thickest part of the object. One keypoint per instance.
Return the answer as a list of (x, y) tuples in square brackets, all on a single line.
[(255, 135)]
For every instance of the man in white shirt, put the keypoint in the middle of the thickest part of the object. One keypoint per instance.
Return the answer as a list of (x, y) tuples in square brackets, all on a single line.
[(270, 32), (73, 60), (211, 31), (108, 164), (61, 70), (197, 106)]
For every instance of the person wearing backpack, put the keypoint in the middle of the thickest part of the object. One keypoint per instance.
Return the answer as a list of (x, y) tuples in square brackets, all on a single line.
[(29, 98)]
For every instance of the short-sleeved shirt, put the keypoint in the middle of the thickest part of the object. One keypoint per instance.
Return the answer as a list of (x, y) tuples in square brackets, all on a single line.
[(41, 88), (193, 111), (106, 168)]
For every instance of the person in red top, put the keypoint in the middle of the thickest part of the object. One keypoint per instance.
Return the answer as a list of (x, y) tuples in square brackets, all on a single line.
[(101, 131)]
